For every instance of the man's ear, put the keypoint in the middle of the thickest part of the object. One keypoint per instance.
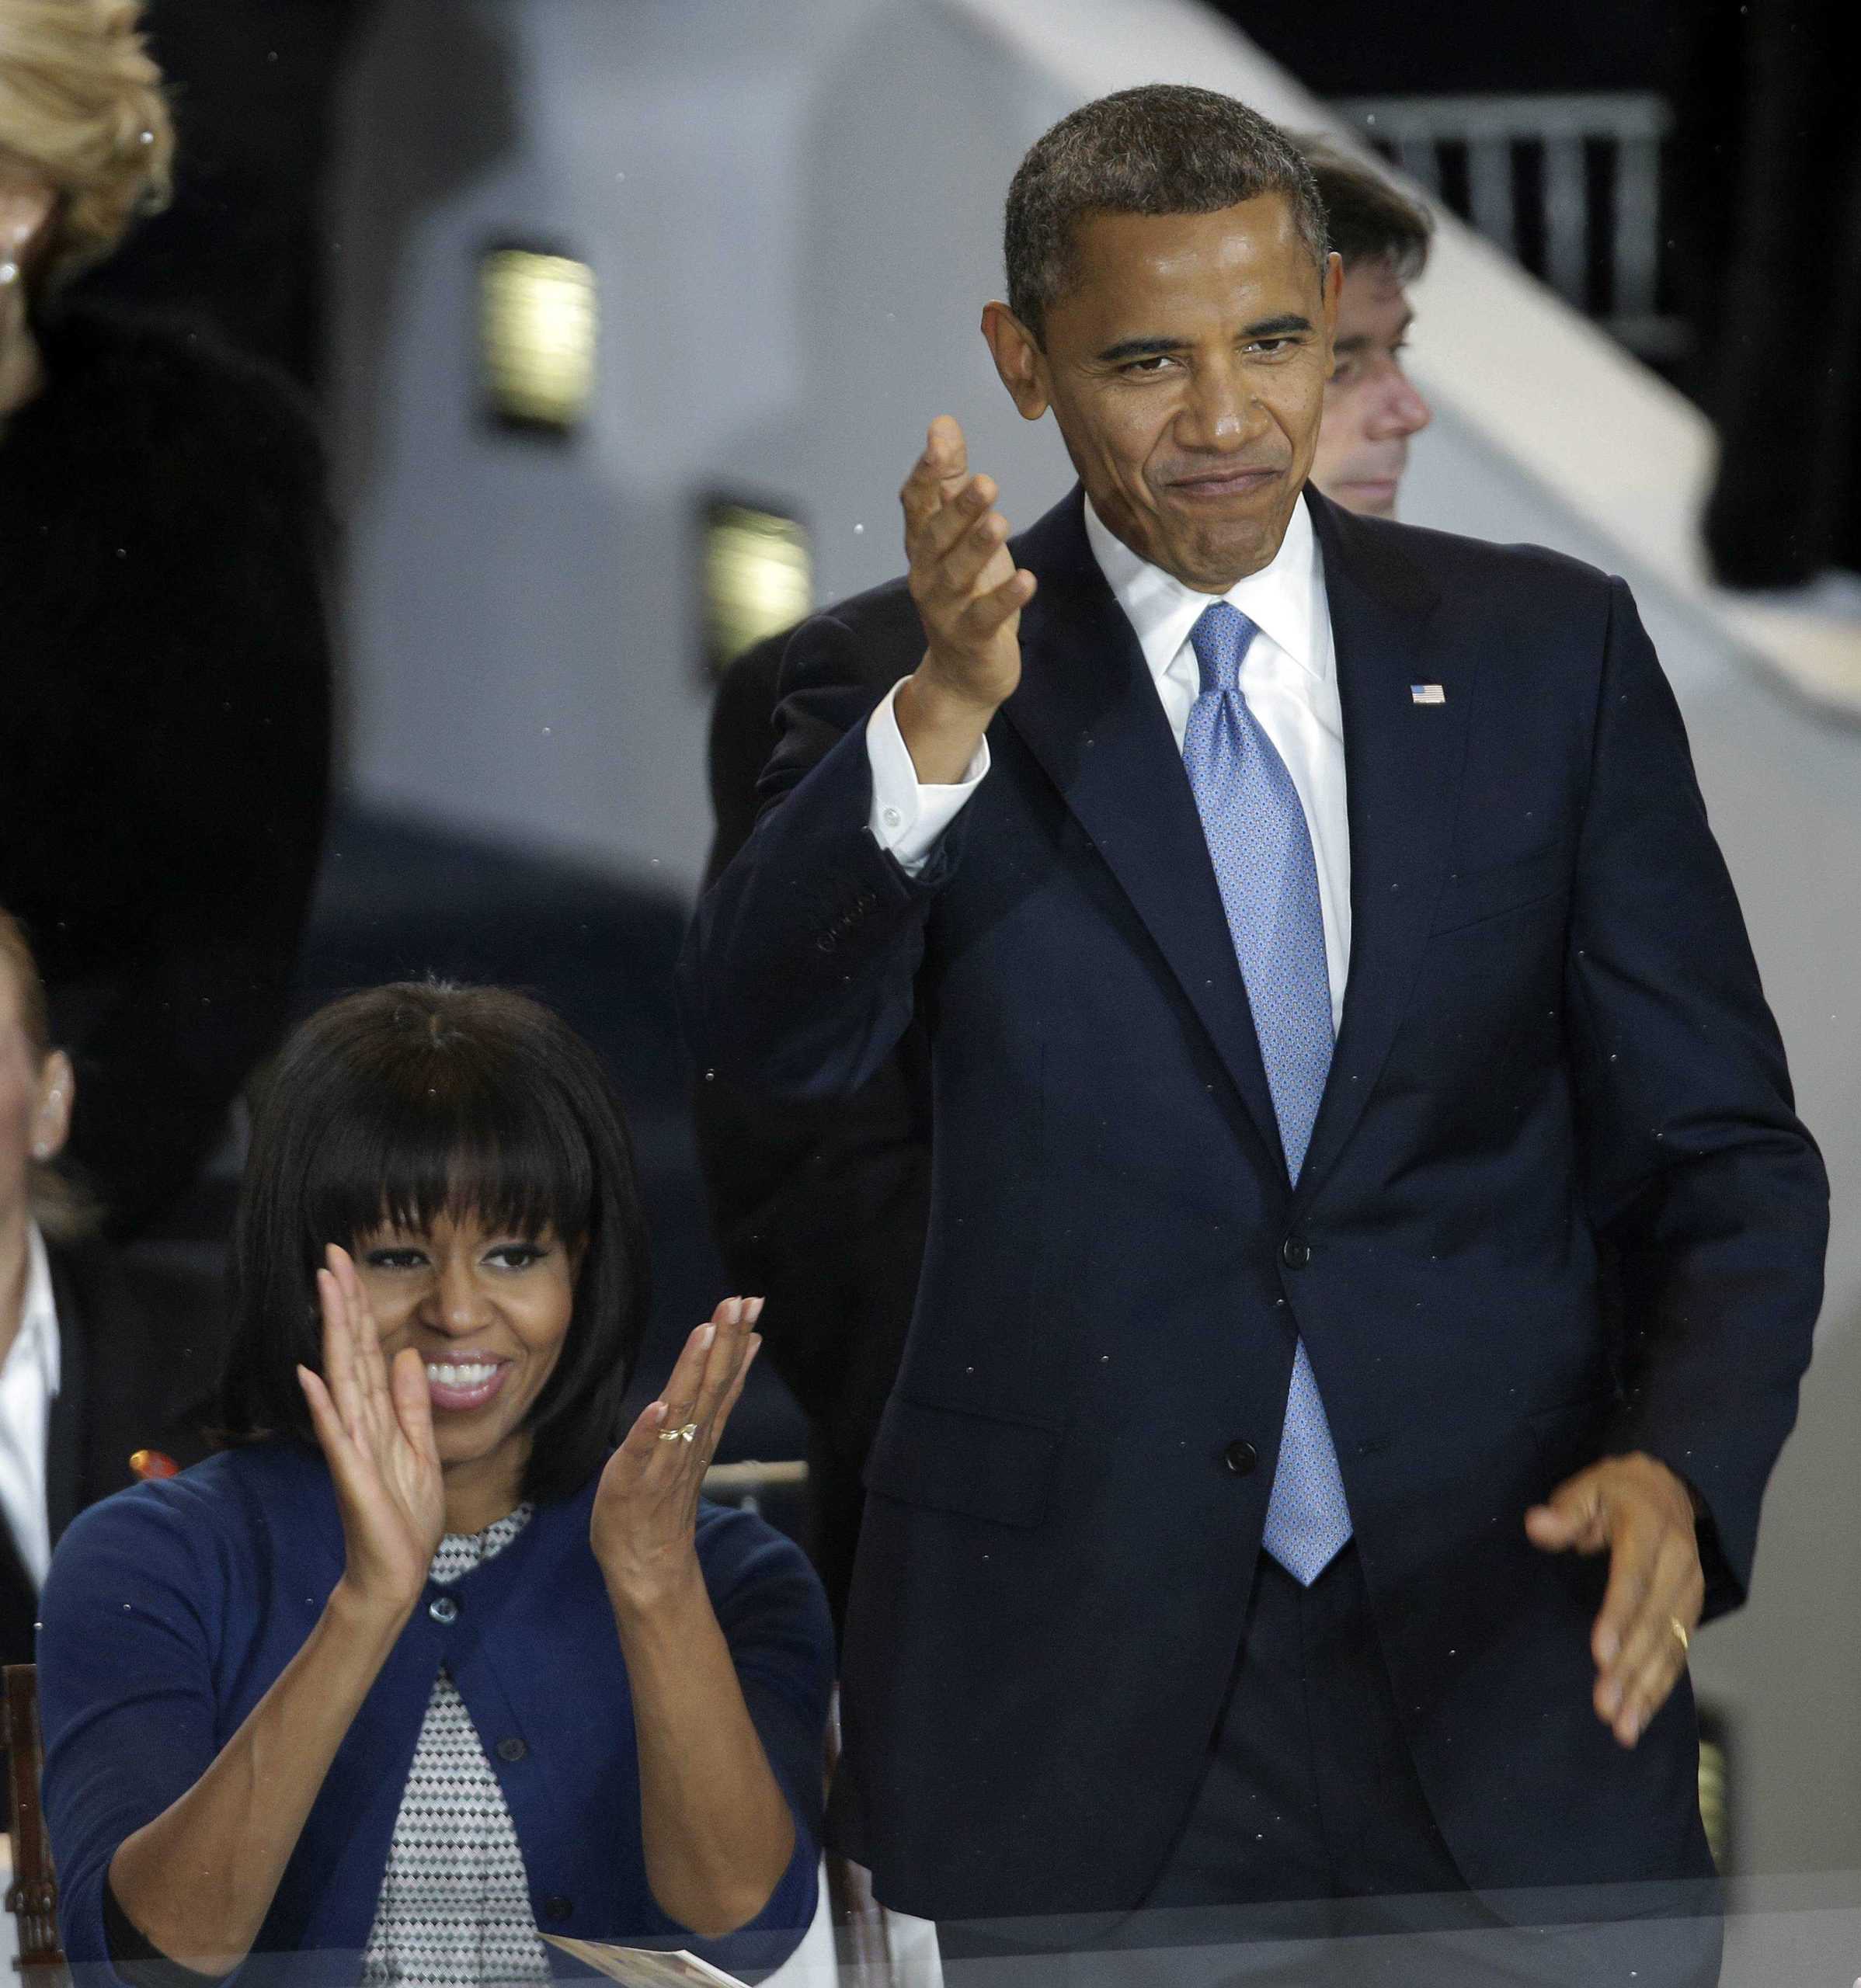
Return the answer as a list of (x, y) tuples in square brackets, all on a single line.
[(52, 1121), (1019, 360)]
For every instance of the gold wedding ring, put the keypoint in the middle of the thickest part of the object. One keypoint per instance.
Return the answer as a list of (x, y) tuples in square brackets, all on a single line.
[(690, 1431), (1679, 1629)]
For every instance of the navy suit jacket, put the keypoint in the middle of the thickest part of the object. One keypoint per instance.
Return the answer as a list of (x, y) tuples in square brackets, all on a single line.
[(139, 1354), (1555, 1077)]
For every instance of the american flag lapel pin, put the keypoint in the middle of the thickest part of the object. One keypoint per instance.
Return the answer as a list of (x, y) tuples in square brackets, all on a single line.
[(1427, 693)]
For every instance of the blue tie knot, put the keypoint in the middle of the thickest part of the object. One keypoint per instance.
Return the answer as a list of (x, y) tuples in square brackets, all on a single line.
[(1219, 639)]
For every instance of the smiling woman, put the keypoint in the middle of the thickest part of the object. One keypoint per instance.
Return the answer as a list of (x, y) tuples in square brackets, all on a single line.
[(484, 1672), (422, 1128)]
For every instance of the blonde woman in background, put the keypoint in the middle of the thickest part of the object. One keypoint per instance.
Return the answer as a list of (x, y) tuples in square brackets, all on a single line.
[(161, 538)]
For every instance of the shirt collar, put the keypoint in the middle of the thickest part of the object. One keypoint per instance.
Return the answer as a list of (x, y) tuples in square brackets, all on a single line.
[(1281, 599), (36, 1341)]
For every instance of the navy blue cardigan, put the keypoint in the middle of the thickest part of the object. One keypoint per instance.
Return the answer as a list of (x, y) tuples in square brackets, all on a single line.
[(171, 1608)]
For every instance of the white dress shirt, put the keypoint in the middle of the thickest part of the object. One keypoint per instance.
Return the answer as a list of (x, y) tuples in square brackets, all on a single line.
[(1288, 677), (28, 1382)]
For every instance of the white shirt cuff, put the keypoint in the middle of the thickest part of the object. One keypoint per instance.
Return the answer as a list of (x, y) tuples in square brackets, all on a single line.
[(908, 818)]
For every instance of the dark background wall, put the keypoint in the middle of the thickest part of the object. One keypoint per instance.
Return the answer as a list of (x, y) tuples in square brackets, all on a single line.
[(1360, 48), (251, 82)]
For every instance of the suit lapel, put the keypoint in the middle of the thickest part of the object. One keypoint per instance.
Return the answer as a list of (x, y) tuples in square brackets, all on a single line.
[(133, 1371), (1090, 713), (1403, 763)]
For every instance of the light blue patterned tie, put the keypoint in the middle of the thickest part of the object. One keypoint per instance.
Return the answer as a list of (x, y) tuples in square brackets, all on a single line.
[(1262, 853)]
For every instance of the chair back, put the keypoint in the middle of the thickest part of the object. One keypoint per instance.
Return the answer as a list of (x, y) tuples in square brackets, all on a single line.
[(32, 1897)]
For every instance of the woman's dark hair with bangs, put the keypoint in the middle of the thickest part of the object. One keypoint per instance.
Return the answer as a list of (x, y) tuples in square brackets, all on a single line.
[(410, 1101)]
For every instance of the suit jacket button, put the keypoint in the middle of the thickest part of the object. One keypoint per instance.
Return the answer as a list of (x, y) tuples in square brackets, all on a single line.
[(512, 1748), (827, 941), (443, 1608), (1294, 1254), (1240, 1457)]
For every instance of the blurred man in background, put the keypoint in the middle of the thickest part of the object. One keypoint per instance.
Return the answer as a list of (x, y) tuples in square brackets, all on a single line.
[(106, 1365), (1370, 408)]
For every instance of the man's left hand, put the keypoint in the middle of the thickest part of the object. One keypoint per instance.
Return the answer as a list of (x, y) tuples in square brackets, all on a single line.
[(1643, 1514)]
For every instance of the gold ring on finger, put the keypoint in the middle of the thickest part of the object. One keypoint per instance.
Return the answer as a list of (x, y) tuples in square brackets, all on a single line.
[(1679, 1629), (689, 1432)]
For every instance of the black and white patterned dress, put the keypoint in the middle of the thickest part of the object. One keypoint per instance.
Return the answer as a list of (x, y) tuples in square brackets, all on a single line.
[(455, 1908)]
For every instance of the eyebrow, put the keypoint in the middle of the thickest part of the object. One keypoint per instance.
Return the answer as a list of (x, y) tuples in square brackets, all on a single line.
[(1363, 341), (1271, 327), (1125, 349), (1160, 348)]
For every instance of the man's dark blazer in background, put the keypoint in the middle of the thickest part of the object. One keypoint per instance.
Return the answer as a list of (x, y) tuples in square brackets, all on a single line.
[(1553, 1037), (821, 1207), (139, 1347)]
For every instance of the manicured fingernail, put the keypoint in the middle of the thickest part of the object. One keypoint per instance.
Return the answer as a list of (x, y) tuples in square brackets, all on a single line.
[(1607, 1646), (657, 1413), (1612, 1698), (705, 1335), (755, 1309)]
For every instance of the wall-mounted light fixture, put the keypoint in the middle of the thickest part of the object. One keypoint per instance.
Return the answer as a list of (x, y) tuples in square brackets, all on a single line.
[(758, 576), (538, 315)]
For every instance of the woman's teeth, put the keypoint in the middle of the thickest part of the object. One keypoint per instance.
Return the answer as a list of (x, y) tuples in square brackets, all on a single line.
[(443, 1375)]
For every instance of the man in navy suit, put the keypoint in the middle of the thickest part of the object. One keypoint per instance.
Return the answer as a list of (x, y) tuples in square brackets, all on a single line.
[(823, 1209), (1372, 1253)]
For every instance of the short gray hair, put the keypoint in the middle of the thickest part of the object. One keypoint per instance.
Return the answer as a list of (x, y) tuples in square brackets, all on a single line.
[(1163, 148)]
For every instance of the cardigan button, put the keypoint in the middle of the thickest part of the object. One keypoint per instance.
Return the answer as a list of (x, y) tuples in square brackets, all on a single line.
[(557, 1906), (444, 1608), (512, 1748)]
